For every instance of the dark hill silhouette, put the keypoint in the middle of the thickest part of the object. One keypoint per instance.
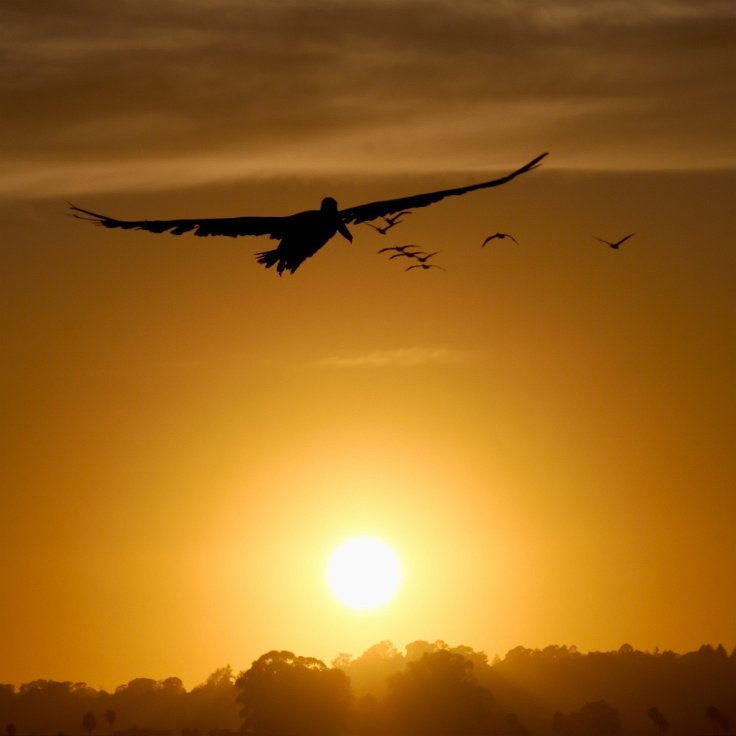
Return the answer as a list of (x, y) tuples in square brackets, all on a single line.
[(430, 688)]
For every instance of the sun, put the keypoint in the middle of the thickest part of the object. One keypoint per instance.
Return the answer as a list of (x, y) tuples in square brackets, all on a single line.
[(363, 573)]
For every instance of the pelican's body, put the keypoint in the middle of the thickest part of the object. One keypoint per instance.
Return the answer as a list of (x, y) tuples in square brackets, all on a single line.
[(306, 234), (301, 235)]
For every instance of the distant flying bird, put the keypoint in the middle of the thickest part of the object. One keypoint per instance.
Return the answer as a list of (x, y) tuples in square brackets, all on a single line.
[(407, 254), (423, 257), (425, 266), (615, 244), (391, 221), (397, 248), (501, 236), (302, 234)]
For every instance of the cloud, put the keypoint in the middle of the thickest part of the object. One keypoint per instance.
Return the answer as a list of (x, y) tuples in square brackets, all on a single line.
[(398, 358), (351, 84)]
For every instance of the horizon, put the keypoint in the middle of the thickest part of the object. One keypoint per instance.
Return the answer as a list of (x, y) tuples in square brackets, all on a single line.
[(430, 688), (345, 660)]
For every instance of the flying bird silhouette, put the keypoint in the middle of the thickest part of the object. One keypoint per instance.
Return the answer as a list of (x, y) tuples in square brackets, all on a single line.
[(501, 236), (302, 234), (391, 221), (615, 244), (423, 257), (425, 266), (397, 248), (406, 254), (402, 251)]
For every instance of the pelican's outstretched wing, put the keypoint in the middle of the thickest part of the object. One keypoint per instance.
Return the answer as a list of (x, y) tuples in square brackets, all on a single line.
[(372, 210), (230, 226)]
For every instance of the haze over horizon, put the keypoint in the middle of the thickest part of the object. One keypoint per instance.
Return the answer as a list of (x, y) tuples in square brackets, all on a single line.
[(543, 433)]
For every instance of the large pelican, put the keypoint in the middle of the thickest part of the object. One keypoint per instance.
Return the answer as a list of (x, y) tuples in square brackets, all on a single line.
[(301, 235)]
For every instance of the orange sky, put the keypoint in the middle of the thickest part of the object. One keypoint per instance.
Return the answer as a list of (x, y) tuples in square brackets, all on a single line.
[(543, 432)]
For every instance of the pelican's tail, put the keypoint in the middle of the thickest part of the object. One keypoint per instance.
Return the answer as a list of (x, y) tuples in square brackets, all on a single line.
[(268, 258), (273, 257)]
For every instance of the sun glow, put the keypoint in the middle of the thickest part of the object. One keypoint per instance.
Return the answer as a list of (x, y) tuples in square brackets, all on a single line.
[(363, 573)]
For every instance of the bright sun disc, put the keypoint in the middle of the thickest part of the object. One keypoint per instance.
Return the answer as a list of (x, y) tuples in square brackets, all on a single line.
[(363, 573)]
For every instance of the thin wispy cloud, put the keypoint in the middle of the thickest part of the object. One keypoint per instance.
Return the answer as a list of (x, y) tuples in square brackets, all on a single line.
[(360, 84), (397, 358)]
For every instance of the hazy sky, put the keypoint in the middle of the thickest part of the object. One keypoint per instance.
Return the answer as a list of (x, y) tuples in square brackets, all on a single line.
[(544, 432)]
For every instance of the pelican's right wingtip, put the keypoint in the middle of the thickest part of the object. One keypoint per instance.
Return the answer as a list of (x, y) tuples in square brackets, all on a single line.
[(538, 160), (533, 164)]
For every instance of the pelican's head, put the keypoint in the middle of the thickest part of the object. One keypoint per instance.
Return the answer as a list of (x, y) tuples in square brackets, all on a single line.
[(329, 204)]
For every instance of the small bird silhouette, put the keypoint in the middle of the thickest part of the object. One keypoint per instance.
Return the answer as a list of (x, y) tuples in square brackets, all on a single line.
[(500, 236), (425, 266), (407, 253), (391, 221), (397, 248), (616, 243), (423, 257)]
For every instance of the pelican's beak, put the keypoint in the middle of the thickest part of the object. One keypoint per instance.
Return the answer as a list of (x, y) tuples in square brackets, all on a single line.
[(343, 230)]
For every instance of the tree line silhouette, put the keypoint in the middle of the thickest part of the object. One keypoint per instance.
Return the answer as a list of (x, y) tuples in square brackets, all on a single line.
[(430, 689)]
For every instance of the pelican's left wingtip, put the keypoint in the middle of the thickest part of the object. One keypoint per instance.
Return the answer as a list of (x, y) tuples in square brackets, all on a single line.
[(91, 216)]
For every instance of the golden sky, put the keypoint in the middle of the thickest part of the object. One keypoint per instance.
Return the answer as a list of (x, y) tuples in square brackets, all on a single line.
[(544, 432)]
